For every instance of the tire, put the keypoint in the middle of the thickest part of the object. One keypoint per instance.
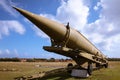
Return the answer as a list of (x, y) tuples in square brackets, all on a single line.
[(69, 68), (90, 69), (106, 65), (97, 65)]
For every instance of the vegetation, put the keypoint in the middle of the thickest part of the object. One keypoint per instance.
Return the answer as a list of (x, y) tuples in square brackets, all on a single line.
[(11, 70), (111, 73), (10, 59), (33, 60), (113, 59), (43, 60)]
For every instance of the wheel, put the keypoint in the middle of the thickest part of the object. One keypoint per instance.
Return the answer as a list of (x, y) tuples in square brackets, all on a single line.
[(90, 68), (69, 68), (97, 65), (106, 65)]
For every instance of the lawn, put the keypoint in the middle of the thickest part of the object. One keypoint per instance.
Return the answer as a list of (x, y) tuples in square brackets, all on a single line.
[(11, 70)]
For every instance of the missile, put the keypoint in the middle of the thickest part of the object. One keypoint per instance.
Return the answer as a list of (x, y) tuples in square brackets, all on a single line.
[(62, 35)]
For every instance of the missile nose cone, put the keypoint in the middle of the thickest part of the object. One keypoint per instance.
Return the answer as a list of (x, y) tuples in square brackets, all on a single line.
[(18, 9), (14, 7), (23, 12), (52, 28)]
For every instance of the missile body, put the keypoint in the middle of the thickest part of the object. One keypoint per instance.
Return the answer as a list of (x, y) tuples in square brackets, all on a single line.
[(57, 32)]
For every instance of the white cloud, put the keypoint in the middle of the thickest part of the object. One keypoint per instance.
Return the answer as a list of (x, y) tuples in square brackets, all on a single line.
[(74, 12), (6, 26), (106, 28), (39, 32), (6, 5), (0, 51), (11, 25), (96, 7), (49, 16), (8, 53), (16, 52), (104, 32)]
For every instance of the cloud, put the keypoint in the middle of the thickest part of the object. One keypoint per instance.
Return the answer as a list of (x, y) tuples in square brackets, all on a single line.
[(9, 53), (0, 52), (11, 25), (103, 32), (74, 12), (6, 5), (39, 32), (97, 6)]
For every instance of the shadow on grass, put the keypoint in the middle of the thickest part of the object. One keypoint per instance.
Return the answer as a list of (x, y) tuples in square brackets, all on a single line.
[(64, 75), (60, 76), (56, 76)]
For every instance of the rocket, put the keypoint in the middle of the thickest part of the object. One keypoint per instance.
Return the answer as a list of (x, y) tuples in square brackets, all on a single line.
[(66, 40)]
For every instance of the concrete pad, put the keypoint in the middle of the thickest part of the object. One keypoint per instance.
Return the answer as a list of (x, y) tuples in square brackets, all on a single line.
[(79, 73)]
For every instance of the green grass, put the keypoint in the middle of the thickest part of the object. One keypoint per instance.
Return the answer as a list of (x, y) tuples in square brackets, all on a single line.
[(22, 69), (25, 68), (111, 73)]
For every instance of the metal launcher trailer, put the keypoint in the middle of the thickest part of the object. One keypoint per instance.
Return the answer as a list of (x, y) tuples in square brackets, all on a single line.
[(68, 42)]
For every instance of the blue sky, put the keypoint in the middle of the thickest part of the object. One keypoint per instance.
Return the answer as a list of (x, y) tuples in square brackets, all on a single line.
[(98, 20)]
